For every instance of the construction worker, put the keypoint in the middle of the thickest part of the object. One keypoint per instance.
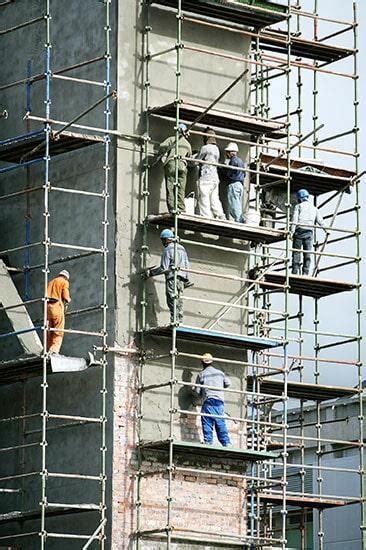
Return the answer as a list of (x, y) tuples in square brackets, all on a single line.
[(233, 180), (305, 216), (166, 266), (58, 297), (212, 400), (209, 203), (167, 150)]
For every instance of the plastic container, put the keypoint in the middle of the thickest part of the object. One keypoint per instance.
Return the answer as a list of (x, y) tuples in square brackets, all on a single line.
[(252, 217)]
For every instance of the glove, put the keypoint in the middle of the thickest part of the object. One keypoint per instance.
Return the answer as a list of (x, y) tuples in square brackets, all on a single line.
[(145, 274)]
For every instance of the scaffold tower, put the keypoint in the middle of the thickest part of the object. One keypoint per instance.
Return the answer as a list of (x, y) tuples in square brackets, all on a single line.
[(278, 342), (46, 490)]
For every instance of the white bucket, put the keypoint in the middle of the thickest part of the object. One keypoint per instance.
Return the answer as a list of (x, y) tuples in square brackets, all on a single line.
[(190, 204), (252, 217)]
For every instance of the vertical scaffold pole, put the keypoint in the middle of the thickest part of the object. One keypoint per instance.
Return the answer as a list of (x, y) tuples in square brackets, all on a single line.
[(361, 417), (286, 290), (46, 246), (105, 223), (144, 250), (173, 351)]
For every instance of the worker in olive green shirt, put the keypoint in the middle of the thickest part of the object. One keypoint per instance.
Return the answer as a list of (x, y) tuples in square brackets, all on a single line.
[(167, 150)]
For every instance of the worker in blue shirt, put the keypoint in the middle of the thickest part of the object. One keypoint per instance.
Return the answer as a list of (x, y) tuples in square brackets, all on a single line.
[(166, 267), (233, 180)]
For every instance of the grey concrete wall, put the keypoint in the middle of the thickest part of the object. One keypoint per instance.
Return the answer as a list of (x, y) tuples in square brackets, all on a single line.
[(204, 77), (77, 34)]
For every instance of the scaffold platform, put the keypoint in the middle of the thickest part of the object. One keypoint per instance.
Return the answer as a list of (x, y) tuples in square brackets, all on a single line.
[(52, 510), (218, 540), (302, 390), (229, 120), (215, 337), (196, 449), (19, 148), (305, 285), (314, 176), (311, 502), (221, 228), (16, 370), (276, 41), (252, 13)]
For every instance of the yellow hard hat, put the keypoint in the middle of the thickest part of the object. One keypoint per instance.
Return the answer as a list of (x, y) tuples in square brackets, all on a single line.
[(207, 358)]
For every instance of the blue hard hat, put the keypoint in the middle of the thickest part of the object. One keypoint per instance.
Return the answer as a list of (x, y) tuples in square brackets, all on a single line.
[(167, 234), (302, 194), (182, 127)]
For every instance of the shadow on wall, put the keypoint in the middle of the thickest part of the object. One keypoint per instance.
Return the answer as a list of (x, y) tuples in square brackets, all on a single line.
[(187, 401)]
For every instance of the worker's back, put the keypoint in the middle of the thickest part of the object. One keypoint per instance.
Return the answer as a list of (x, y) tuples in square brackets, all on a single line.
[(58, 289), (168, 148), (305, 215), (182, 260), (210, 376)]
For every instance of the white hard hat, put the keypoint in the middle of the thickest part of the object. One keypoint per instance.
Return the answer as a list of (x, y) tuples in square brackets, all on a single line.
[(232, 146), (65, 273)]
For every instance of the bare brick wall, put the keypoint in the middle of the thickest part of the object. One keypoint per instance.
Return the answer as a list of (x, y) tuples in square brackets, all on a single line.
[(208, 503)]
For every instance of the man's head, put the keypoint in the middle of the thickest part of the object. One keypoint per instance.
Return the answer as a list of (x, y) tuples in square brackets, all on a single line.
[(210, 136), (65, 274), (302, 195), (182, 128), (166, 236), (206, 359), (231, 150)]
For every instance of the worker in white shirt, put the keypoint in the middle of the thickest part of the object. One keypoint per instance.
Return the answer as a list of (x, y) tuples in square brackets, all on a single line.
[(305, 217), (209, 204)]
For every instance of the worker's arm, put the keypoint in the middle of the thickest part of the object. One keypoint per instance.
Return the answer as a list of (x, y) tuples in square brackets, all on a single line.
[(66, 293), (227, 381), (319, 220), (295, 219), (196, 389), (165, 145), (164, 264)]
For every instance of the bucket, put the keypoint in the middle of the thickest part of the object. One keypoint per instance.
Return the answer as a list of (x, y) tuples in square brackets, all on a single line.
[(190, 204), (252, 217)]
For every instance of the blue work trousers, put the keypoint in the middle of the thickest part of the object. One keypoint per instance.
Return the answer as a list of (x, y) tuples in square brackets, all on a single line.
[(214, 406), (234, 198), (302, 239)]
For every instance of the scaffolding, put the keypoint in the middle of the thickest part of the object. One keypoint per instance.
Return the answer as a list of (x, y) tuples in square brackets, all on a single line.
[(20, 154), (275, 336)]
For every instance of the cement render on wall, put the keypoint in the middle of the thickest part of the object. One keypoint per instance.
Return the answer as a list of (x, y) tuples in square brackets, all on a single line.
[(77, 34), (203, 78)]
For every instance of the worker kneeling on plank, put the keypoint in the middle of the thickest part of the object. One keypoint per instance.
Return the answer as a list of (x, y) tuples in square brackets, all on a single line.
[(212, 400), (58, 297), (166, 267), (305, 216)]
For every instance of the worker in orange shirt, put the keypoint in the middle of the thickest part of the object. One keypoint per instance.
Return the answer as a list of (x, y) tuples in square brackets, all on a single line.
[(58, 296)]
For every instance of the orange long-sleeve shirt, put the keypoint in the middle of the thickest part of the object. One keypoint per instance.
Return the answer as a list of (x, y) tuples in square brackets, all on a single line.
[(58, 289)]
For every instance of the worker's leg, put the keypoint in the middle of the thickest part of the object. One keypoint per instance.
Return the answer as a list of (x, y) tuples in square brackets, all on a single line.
[(216, 206), (207, 422), (307, 243), (220, 424), (179, 306), (182, 182), (204, 189), (296, 254), (234, 197), (169, 172), (56, 320), (170, 292)]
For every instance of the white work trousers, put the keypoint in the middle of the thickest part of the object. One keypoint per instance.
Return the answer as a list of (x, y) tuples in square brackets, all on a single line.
[(209, 204)]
